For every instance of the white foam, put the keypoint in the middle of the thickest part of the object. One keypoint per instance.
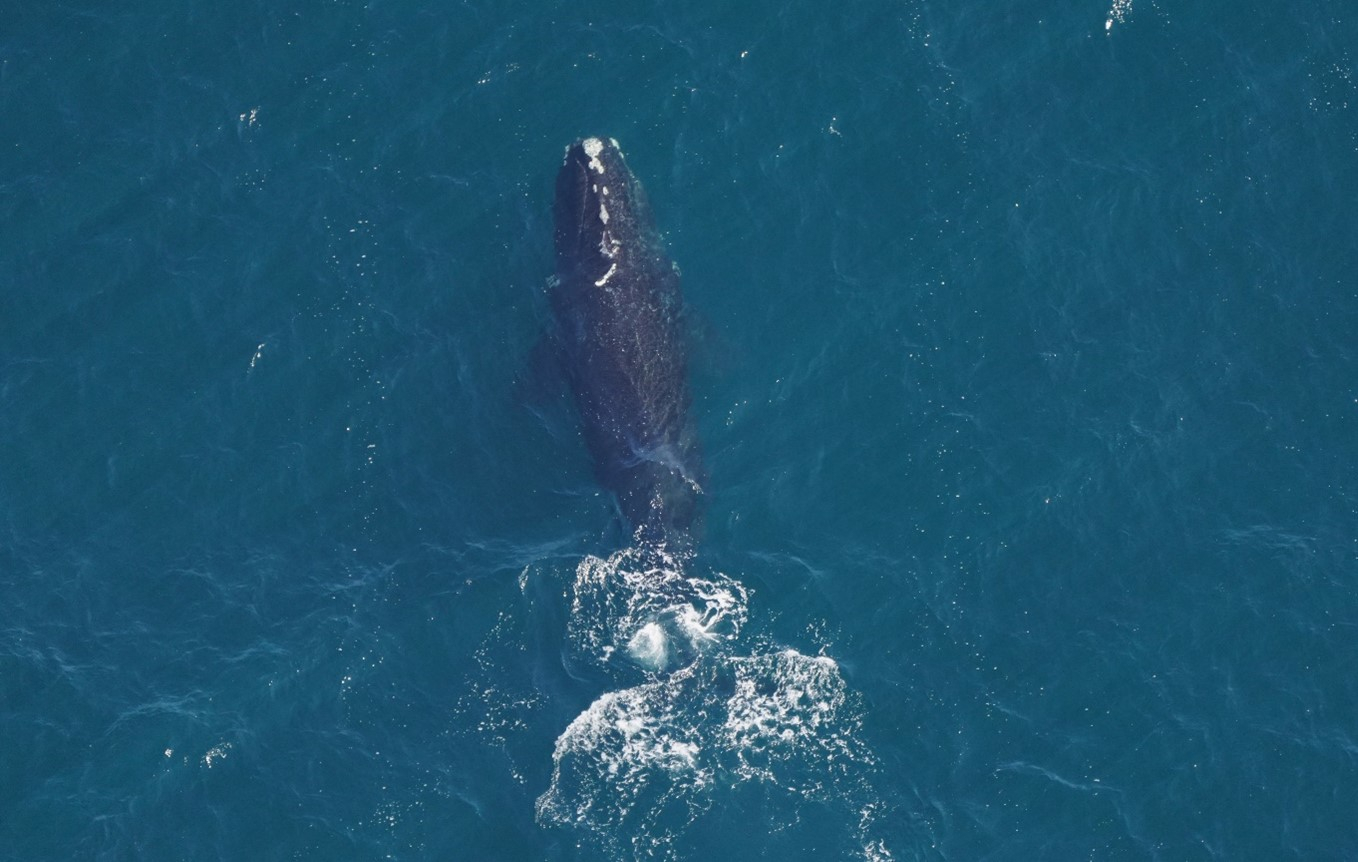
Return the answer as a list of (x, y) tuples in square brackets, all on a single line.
[(651, 754), (216, 753), (793, 714), (695, 721), (625, 744), (640, 765), (1117, 13), (616, 598)]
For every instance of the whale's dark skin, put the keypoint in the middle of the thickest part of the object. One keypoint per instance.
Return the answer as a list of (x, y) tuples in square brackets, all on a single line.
[(619, 329)]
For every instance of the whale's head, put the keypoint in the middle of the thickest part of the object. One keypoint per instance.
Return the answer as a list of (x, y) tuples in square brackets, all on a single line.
[(596, 204)]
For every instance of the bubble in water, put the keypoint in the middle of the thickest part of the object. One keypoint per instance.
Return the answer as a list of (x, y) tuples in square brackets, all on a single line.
[(649, 647)]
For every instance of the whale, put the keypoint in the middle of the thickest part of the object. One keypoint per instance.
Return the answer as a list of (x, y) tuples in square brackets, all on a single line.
[(620, 338)]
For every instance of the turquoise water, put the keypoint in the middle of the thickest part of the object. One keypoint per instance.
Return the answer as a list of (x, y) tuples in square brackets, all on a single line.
[(1026, 378)]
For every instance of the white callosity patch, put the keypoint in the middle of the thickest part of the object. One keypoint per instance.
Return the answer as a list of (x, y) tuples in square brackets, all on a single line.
[(601, 282), (603, 210), (593, 147), (608, 246)]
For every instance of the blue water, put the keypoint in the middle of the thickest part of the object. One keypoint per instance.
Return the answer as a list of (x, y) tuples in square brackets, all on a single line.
[(1026, 375)]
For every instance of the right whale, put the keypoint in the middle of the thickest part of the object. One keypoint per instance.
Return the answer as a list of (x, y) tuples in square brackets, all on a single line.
[(619, 329)]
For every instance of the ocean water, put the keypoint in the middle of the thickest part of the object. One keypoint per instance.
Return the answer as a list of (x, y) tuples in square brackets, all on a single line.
[(1025, 371)]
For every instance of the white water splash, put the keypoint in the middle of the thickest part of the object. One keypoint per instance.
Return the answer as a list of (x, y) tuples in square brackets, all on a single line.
[(643, 761), (216, 754), (802, 714), (1117, 13), (633, 772), (644, 607)]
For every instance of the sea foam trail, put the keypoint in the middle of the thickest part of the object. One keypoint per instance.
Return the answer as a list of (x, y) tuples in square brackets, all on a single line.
[(645, 764)]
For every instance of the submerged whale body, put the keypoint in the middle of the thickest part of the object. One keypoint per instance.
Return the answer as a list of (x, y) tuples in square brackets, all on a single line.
[(618, 311)]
